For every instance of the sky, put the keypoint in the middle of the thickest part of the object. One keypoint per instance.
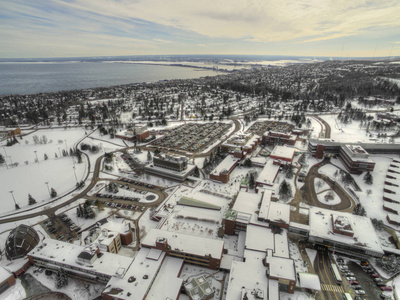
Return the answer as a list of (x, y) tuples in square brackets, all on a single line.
[(80, 28)]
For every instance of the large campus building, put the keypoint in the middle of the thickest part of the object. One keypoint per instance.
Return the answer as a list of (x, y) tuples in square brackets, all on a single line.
[(138, 132), (170, 166), (356, 159)]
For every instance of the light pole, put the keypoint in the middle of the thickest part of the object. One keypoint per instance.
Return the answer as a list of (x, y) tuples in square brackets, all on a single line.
[(75, 174), (47, 183), (66, 147), (37, 159), (59, 151), (16, 205)]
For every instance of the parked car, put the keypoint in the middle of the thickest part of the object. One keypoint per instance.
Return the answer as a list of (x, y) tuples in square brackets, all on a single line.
[(351, 278), (357, 287), (353, 282), (360, 292), (386, 288), (375, 275), (364, 263)]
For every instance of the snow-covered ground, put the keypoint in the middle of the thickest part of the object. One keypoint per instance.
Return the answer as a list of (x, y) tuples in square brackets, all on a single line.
[(30, 177)]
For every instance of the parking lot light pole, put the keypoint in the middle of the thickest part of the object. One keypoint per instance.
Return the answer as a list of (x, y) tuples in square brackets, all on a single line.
[(16, 205), (37, 159), (75, 174), (47, 183)]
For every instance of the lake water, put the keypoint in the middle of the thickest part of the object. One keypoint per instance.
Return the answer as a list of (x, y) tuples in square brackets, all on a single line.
[(30, 78)]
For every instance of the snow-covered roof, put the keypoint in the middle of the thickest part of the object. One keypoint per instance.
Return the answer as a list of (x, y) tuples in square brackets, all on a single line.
[(279, 213), (67, 253), (309, 281), (138, 278), (186, 243), (268, 173), (281, 244), (283, 152), (364, 234), (280, 267), (259, 238), (167, 282), (4, 274), (264, 208), (273, 289), (226, 164), (239, 276), (247, 202)]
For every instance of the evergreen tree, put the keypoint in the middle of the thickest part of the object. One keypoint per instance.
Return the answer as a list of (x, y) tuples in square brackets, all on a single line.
[(53, 193), (31, 200), (79, 156), (252, 181), (196, 172), (46, 157), (205, 163), (55, 155), (248, 163), (148, 156), (2, 160), (289, 172), (368, 178), (359, 210), (285, 190), (61, 279)]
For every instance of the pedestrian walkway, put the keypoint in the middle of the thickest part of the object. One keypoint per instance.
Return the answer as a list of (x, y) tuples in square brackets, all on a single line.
[(332, 288)]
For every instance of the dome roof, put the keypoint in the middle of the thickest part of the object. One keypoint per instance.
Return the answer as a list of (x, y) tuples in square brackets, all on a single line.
[(20, 241)]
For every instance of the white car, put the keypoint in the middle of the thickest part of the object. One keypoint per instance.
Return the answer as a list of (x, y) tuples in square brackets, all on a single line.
[(360, 292)]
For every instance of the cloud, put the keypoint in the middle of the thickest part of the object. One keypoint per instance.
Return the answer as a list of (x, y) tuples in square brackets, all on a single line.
[(160, 26)]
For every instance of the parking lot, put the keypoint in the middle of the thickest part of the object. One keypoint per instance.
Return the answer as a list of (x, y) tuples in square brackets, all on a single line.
[(362, 278), (61, 228), (192, 137)]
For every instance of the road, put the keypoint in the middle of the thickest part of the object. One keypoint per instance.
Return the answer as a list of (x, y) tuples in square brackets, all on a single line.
[(17, 216), (326, 125), (309, 193), (329, 288)]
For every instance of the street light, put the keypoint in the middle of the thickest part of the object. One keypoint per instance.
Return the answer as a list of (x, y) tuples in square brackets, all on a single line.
[(59, 151), (66, 147), (37, 159), (47, 183), (75, 174), (16, 205)]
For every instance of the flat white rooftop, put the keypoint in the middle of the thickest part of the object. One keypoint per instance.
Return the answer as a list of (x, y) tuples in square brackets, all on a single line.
[(279, 213), (226, 164), (364, 233), (268, 173), (186, 243), (259, 238), (67, 253), (139, 277), (247, 202), (250, 275), (283, 152)]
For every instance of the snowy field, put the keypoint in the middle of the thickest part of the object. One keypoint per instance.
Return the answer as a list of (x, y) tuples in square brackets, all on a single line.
[(30, 177), (352, 132), (372, 202)]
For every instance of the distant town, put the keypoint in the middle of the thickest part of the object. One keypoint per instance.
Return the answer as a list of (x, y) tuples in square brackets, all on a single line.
[(267, 182)]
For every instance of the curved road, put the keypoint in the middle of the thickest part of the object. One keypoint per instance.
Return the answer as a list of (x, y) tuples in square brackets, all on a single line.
[(327, 127), (310, 194), (93, 182)]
